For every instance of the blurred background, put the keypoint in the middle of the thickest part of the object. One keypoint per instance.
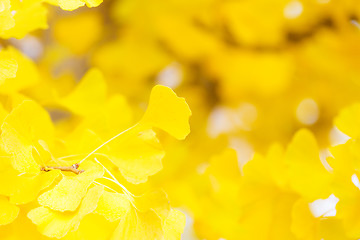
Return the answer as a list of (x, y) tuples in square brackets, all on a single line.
[(253, 72)]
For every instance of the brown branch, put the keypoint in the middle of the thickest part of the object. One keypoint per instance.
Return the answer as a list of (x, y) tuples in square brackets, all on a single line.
[(73, 168)]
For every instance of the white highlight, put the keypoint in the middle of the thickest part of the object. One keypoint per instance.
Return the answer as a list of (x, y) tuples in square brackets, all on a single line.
[(293, 10), (189, 233), (337, 137), (307, 111), (225, 119), (355, 23), (324, 207), (171, 76), (244, 150), (355, 180), (30, 46), (201, 169)]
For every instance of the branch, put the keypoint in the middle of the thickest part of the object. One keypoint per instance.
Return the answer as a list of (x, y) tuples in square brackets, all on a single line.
[(73, 168)]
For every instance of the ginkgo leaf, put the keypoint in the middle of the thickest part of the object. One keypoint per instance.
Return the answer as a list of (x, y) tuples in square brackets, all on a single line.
[(148, 217), (348, 121), (82, 141), (57, 224), (148, 225), (348, 210), (7, 173), (174, 225), (20, 71), (27, 189), (8, 211), (167, 112), (27, 16), (139, 225), (304, 224), (22, 227), (93, 3), (88, 96), (137, 153), (307, 174), (93, 227), (70, 5), (6, 18), (113, 206), (22, 130), (156, 201), (8, 68), (24, 188), (344, 164), (114, 117), (224, 174), (68, 193)]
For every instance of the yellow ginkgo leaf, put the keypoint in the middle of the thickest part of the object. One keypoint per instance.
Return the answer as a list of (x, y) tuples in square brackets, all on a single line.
[(58, 224), (167, 112), (139, 225), (70, 5), (88, 96), (137, 153), (8, 68), (272, 167), (3, 113), (224, 174), (6, 18), (307, 175), (156, 201), (93, 3), (304, 224), (7, 173), (114, 117), (113, 206), (344, 163), (149, 217), (174, 225), (148, 225), (82, 141), (348, 121), (92, 227), (348, 210), (28, 15), (22, 130), (8, 211), (17, 71), (25, 188), (68, 193), (22, 227)]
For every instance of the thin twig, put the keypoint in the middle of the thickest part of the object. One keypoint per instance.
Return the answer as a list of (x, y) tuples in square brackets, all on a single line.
[(73, 168)]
